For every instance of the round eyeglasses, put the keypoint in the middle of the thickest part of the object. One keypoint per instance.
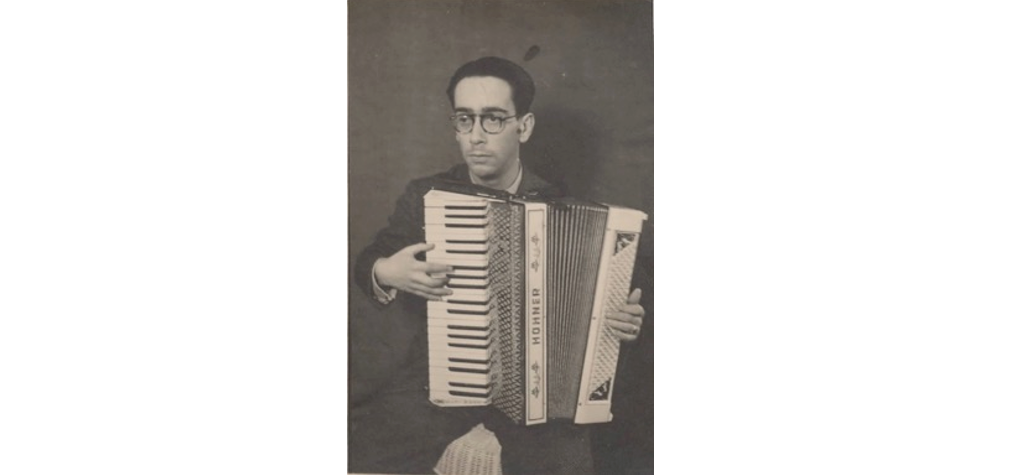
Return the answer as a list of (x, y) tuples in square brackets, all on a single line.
[(491, 124)]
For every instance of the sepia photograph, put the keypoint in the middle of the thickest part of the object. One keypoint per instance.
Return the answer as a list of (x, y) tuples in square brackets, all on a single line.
[(500, 237)]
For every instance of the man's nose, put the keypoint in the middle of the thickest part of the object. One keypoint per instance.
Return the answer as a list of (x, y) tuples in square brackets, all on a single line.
[(477, 134)]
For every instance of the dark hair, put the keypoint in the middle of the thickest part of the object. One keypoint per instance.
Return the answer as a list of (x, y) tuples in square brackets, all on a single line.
[(523, 89)]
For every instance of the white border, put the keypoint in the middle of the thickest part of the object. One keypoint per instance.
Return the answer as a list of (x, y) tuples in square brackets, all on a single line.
[(835, 219)]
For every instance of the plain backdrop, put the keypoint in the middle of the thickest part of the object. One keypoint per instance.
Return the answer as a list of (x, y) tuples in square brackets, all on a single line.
[(835, 199)]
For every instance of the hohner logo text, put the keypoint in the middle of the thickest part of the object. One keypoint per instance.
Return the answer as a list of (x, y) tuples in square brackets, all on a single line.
[(535, 316)]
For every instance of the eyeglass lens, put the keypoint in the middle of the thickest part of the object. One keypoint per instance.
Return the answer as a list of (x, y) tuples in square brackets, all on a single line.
[(491, 124)]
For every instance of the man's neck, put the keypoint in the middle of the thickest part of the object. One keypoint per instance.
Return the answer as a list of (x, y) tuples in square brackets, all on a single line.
[(502, 182)]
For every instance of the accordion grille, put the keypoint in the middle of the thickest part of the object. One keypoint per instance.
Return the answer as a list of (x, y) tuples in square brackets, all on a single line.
[(619, 275), (506, 274)]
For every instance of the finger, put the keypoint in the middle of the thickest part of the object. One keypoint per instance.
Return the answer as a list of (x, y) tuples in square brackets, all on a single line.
[(635, 296), (432, 268), (428, 291), (426, 281), (627, 328), (623, 336), (422, 294), (415, 291), (427, 296), (428, 268), (621, 317), (631, 309), (630, 323), (415, 249)]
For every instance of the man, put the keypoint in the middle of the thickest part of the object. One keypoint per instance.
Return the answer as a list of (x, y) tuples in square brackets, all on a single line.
[(394, 427)]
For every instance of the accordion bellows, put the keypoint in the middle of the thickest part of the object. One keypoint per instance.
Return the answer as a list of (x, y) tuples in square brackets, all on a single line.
[(532, 281)]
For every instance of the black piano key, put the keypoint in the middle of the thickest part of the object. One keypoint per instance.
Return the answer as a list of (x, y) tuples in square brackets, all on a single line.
[(467, 312), (468, 360), (468, 302), (464, 216), (468, 337), (467, 286), (455, 251), (464, 345), (469, 385), (467, 394), (455, 369), (467, 327)]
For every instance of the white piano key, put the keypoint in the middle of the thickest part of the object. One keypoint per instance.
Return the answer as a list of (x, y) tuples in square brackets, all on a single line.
[(472, 349), (435, 215), (460, 247), (462, 337), (460, 340), (456, 308), (439, 358), (462, 271), (447, 198), (443, 313), (447, 398), (438, 232), (471, 354), (468, 295), (453, 304), (463, 212), (454, 282), (450, 389), (442, 349), (440, 374), (468, 322), (476, 260), (461, 363), (472, 268), (457, 223), (445, 326), (457, 327)]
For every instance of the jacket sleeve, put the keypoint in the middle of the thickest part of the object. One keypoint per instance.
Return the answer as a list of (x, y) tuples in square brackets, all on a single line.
[(405, 227)]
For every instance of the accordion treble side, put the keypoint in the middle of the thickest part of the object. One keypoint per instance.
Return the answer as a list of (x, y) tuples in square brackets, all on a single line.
[(533, 280)]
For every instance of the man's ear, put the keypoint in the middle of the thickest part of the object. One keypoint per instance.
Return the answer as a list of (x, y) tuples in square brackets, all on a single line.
[(526, 127)]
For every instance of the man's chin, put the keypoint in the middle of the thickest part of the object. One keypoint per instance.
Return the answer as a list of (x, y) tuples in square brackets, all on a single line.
[(482, 171)]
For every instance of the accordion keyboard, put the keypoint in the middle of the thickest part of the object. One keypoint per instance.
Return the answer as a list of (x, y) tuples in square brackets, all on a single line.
[(460, 332)]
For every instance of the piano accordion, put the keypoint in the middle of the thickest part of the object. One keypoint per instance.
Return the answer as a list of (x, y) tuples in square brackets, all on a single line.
[(532, 282)]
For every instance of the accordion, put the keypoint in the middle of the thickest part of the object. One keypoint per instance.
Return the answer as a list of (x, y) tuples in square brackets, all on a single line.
[(533, 280)]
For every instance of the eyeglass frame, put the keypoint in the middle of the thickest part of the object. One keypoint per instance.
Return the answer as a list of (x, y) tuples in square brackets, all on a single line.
[(473, 122)]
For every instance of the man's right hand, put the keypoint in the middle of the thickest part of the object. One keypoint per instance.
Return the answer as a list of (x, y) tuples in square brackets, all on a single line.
[(404, 272)]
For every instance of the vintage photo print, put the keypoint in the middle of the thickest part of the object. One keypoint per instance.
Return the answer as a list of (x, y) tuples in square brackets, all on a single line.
[(496, 100)]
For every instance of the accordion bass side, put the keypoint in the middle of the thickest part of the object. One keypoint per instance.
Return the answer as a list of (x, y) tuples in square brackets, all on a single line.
[(532, 280)]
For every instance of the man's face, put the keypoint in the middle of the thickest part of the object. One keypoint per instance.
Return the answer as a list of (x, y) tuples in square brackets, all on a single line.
[(490, 156)]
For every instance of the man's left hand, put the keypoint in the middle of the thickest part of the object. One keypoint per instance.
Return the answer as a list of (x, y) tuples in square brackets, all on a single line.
[(628, 319)]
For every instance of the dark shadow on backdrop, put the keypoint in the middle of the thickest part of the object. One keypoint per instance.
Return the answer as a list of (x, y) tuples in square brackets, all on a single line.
[(565, 147)]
